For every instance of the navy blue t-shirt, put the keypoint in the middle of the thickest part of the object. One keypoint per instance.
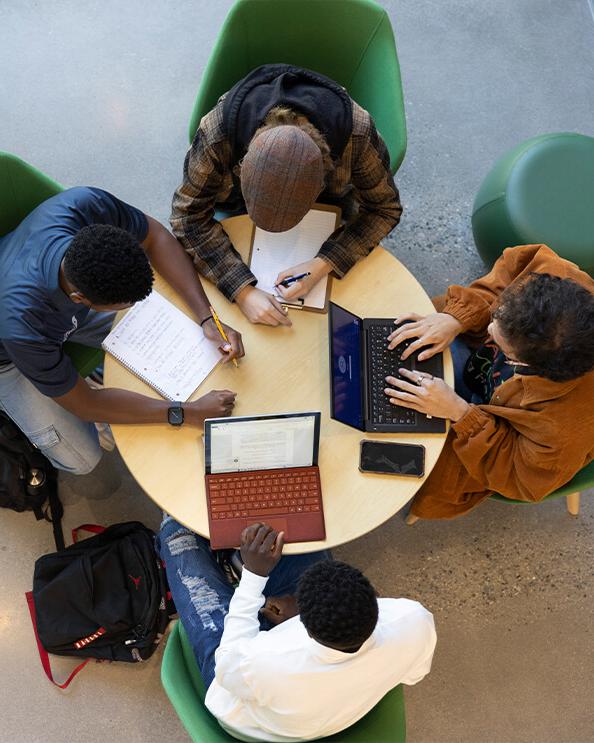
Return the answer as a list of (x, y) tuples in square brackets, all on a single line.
[(36, 316)]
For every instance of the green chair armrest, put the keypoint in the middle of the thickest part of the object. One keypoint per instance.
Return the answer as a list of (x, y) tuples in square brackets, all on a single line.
[(84, 358), (377, 87)]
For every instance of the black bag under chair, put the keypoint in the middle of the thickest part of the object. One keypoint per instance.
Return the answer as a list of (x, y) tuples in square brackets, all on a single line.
[(28, 481), (105, 597)]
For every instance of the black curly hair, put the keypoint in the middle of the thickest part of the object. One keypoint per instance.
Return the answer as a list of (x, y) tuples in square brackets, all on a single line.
[(108, 265), (549, 323), (337, 605)]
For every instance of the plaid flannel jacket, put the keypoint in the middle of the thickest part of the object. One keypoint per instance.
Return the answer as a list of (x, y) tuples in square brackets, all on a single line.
[(210, 178)]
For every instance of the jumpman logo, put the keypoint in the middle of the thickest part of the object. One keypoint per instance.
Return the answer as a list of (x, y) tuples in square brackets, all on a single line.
[(134, 580)]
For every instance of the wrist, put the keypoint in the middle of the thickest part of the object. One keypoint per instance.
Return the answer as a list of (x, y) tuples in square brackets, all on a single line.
[(258, 573), (252, 580), (460, 409), (455, 324), (244, 292), (321, 267)]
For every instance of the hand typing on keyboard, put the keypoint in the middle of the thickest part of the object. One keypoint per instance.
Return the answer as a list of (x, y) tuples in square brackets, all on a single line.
[(434, 333), (386, 362), (426, 394), (261, 548)]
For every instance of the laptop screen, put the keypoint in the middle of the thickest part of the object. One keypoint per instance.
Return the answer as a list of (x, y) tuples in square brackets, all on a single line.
[(346, 372), (261, 442)]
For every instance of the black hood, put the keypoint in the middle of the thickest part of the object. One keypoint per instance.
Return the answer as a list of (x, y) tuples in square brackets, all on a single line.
[(325, 103)]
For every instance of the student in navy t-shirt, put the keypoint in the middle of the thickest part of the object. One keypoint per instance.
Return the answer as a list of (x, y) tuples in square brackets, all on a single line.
[(76, 259)]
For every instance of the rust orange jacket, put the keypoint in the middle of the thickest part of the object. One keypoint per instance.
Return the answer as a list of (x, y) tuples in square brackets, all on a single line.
[(535, 434)]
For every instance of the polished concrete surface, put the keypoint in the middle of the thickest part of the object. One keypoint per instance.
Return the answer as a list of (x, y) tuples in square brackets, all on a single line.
[(100, 93)]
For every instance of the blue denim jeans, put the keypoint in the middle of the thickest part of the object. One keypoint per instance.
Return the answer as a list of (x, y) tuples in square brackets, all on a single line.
[(68, 442), (202, 594)]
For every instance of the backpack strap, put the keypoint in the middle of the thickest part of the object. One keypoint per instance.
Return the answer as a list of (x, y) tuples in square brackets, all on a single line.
[(43, 656), (56, 510), (93, 528)]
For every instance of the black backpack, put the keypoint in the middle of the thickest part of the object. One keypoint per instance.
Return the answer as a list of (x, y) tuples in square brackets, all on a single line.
[(105, 597), (28, 479)]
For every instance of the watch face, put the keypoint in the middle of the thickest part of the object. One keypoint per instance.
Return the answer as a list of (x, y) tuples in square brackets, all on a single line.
[(176, 416)]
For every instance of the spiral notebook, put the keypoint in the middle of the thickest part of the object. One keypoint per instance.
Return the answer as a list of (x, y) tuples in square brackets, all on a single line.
[(273, 252), (163, 347)]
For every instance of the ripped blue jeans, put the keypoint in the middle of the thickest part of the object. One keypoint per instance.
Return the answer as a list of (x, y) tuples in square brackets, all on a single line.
[(202, 594)]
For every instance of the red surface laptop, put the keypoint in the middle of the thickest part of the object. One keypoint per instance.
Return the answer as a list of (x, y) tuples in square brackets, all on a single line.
[(263, 468)]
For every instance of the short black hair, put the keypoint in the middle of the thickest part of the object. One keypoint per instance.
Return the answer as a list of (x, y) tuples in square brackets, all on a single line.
[(549, 323), (108, 265), (337, 604)]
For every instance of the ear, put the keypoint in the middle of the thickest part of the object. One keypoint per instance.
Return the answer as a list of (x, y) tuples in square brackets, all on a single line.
[(79, 298)]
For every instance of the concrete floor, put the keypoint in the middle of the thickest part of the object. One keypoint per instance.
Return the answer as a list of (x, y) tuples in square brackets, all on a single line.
[(99, 93)]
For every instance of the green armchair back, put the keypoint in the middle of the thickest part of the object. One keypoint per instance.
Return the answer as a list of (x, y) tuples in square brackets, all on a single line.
[(350, 41)]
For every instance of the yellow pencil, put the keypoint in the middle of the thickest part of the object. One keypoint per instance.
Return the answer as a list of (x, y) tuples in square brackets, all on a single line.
[(215, 317)]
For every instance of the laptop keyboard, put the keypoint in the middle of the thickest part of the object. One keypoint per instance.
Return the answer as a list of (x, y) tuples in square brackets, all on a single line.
[(260, 494), (385, 363)]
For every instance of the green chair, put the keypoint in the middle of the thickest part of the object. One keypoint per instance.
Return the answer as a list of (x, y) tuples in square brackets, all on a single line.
[(350, 41), (584, 479), (22, 188), (542, 191), (183, 684)]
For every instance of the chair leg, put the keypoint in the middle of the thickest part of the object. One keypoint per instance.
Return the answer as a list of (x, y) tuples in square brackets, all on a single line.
[(573, 503)]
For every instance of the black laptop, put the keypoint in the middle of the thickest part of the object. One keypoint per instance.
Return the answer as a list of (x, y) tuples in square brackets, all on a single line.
[(359, 364)]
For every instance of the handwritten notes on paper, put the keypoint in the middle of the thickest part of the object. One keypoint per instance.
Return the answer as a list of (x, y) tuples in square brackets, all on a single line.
[(274, 252), (163, 347)]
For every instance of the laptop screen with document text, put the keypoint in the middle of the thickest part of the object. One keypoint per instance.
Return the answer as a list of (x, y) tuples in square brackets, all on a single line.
[(261, 442)]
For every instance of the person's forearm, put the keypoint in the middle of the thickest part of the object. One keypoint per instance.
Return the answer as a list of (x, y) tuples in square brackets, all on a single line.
[(117, 406), (472, 305), (172, 262), (357, 239), (241, 626), (242, 620), (523, 467)]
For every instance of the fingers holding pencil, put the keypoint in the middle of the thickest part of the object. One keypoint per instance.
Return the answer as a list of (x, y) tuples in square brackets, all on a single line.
[(234, 345)]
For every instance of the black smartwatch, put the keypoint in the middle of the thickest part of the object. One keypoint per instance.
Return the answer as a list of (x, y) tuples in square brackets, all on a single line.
[(175, 414)]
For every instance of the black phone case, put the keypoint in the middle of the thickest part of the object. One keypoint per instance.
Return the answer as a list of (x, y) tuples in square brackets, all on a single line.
[(390, 445)]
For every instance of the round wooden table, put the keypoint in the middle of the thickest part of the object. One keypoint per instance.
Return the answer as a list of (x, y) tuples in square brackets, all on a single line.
[(284, 370)]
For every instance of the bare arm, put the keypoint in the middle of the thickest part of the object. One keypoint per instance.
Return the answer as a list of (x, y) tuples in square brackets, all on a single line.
[(171, 261), (122, 406)]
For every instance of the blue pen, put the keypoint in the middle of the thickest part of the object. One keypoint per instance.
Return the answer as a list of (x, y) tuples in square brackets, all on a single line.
[(292, 279)]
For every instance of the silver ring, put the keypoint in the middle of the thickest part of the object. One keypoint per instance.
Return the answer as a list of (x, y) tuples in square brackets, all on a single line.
[(419, 380)]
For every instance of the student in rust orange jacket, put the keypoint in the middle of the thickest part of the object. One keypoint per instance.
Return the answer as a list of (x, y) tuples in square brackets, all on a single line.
[(521, 412)]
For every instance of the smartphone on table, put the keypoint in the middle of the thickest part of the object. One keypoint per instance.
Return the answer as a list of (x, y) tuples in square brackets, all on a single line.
[(390, 458)]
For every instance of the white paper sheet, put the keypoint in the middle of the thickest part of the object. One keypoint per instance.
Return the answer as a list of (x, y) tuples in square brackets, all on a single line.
[(164, 347), (274, 252)]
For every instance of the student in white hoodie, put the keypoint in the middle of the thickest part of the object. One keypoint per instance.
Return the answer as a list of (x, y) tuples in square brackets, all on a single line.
[(323, 651)]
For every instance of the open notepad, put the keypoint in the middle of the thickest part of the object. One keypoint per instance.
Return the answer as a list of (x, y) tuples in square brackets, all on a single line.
[(164, 347), (273, 252)]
